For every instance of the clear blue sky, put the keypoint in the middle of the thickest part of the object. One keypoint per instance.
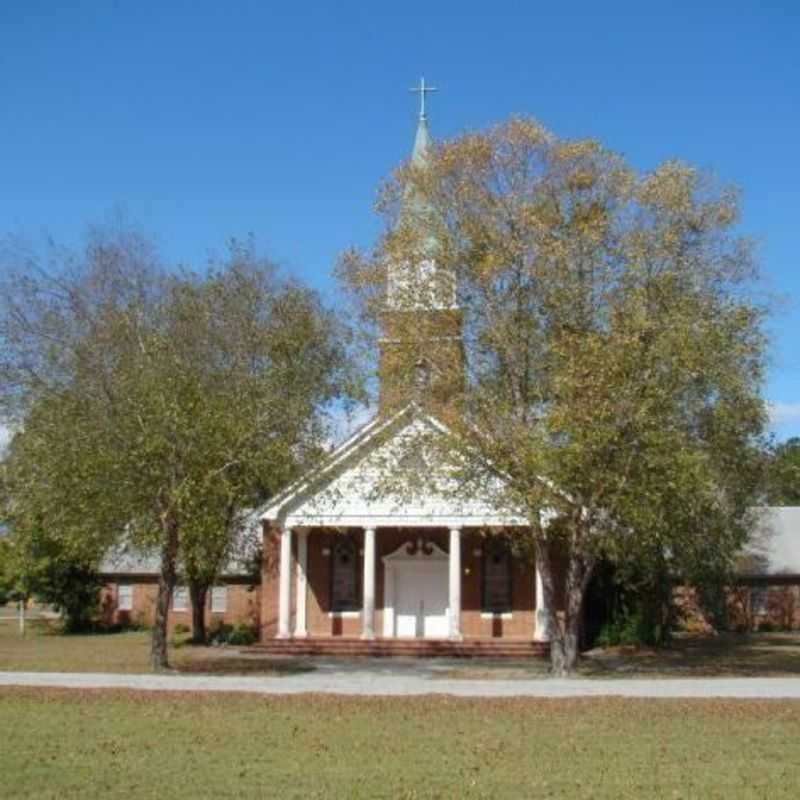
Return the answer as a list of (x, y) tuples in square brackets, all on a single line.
[(202, 120)]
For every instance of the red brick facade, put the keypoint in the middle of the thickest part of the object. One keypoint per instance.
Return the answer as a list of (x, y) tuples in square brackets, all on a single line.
[(242, 603), (763, 603)]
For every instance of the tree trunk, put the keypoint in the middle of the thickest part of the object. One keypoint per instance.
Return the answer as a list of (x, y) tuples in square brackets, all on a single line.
[(565, 628), (166, 584), (198, 593)]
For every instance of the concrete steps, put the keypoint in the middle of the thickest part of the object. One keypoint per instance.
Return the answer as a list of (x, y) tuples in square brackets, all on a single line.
[(409, 648)]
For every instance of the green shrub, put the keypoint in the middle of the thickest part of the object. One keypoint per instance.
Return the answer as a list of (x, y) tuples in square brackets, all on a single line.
[(634, 629), (180, 632), (128, 626), (766, 627), (219, 633), (243, 635)]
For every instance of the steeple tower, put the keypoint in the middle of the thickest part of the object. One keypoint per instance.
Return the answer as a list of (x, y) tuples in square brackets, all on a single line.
[(421, 351)]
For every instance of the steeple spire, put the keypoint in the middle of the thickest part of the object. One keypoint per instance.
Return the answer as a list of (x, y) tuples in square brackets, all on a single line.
[(422, 139), (421, 352)]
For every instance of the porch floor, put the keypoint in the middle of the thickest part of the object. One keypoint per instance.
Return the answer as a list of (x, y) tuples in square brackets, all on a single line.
[(417, 648)]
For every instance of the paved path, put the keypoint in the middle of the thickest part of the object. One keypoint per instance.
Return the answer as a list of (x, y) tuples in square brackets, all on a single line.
[(368, 682)]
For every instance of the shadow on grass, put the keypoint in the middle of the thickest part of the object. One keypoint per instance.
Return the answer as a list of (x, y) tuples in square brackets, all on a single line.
[(55, 627), (722, 656), (726, 655), (232, 665)]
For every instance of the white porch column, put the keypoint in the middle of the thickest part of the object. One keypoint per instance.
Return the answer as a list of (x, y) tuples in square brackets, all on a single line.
[(455, 583), (368, 609), (300, 628), (541, 625), (285, 585)]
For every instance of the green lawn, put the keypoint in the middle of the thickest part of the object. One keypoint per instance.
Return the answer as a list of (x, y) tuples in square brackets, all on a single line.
[(64, 744)]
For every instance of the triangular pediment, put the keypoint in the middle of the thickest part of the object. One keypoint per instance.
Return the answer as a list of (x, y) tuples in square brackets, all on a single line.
[(382, 477)]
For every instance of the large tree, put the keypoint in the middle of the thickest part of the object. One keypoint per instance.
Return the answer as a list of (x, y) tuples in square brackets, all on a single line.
[(152, 402), (612, 341)]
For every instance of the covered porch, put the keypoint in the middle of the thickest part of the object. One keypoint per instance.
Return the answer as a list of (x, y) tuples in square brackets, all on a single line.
[(414, 585)]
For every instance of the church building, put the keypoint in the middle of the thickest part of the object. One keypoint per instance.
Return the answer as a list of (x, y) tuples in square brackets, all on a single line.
[(352, 566)]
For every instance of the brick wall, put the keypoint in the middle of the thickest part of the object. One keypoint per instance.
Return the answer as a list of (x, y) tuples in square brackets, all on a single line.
[(242, 604), (759, 604)]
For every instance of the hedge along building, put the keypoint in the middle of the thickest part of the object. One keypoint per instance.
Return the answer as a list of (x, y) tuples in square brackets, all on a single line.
[(353, 556)]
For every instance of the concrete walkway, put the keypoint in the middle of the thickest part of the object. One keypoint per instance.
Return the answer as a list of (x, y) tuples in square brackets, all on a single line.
[(367, 682)]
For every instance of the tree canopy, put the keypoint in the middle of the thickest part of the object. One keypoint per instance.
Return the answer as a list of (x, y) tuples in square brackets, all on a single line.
[(783, 474), (613, 346), (158, 405)]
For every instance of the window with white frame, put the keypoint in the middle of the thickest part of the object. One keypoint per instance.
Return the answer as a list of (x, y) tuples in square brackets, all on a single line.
[(180, 600), (759, 600), (219, 599), (124, 597)]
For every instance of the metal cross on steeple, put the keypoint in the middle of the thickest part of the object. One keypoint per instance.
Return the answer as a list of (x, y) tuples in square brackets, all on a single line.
[(422, 89)]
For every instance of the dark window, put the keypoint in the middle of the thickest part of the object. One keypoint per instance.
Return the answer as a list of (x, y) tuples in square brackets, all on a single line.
[(496, 576), (344, 578)]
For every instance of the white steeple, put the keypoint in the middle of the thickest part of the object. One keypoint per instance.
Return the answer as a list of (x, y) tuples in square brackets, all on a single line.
[(419, 284)]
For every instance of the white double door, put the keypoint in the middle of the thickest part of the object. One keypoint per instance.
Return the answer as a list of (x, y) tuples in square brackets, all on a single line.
[(421, 598)]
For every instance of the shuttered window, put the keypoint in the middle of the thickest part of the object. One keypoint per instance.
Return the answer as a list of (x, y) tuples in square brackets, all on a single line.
[(344, 575), (496, 576)]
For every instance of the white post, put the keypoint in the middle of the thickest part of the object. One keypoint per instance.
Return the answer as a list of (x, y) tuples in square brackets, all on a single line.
[(541, 625), (285, 588), (300, 623), (455, 583), (22, 604), (368, 610)]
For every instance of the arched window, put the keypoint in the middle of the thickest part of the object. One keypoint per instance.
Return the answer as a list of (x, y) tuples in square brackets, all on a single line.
[(496, 576), (422, 375), (344, 575)]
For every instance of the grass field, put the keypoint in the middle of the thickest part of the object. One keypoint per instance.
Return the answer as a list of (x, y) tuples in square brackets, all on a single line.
[(65, 744), (45, 649), (726, 655)]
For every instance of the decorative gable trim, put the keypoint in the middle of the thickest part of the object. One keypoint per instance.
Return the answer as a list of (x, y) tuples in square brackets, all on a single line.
[(419, 550)]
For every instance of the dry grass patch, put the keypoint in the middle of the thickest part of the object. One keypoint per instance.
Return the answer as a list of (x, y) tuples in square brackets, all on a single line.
[(45, 649), (766, 655), (724, 655)]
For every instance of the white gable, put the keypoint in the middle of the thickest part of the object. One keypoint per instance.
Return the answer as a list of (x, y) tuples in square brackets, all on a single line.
[(363, 486), (778, 539)]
